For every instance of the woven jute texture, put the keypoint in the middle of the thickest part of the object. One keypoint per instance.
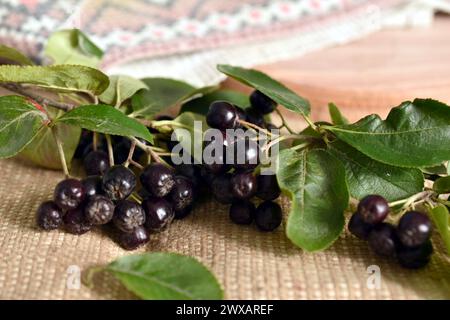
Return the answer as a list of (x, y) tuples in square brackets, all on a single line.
[(249, 264)]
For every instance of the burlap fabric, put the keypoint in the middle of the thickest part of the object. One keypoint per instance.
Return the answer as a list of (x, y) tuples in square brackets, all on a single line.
[(249, 264)]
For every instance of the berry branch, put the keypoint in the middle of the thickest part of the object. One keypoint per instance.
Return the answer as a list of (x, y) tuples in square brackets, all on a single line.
[(61, 152)]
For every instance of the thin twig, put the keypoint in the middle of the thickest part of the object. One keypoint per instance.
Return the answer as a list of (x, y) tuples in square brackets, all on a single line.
[(255, 127), (136, 164), (110, 149), (94, 140), (61, 152), (130, 154), (150, 151), (45, 101), (283, 121)]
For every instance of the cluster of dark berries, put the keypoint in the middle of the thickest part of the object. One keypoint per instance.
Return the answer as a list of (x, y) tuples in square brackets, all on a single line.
[(236, 183), (409, 242)]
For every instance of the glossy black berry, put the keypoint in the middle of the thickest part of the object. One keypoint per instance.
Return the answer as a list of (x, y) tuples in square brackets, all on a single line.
[(85, 140), (221, 188), (255, 117), (128, 215), (158, 213), (96, 163), (181, 214), (92, 185), (215, 155), (49, 216), (241, 115), (242, 212), (358, 227), (268, 216), (99, 210), (75, 221), (261, 102), (190, 171), (268, 188), (119, 182), (182, 194), (243, 185), (69, 194), (158, 179), (383, 240), (134, 239), (415, 258), (221, 115), (246, 154), (414, 229), (373, 209)]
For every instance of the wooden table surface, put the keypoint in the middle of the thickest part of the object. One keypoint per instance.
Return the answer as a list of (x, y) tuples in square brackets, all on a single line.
[(373, 74)]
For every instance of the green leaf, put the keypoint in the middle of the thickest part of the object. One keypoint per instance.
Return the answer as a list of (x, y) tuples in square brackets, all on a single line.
[(164, 276), (189, 136), (64, 78), (415, 134), (20, 121), (270, 87), (366, 176), (164, 93), (14, 55), (73, 47), (43, 150), (336, 116), (120, 89), (442, 185), (105, 119), (201, 105), (440, 217), (439, 169), (315, 182)]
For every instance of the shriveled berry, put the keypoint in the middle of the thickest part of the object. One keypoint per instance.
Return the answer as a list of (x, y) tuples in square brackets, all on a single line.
[(75, 221), (96, 163), (158, 179), (414, 229), (268, 216), (261, 102), (373, 209), (128, 215), (158, 213), (183, 213), (242, 212), (415, 258), (182, 194), (99, 210), (49, 216), (255, 117), (268, 188), (119, 182), (134, 239), (221, 115), (383, 240), (92, 185), (358, 227), (221, 188), (69, 194), (243, 185)]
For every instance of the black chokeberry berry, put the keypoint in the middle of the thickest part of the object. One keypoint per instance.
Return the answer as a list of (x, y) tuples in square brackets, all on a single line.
[(261, 102), (268, 188), (49, 216), (190, 171), (414, 229), (99, 210), (415, 258), (373, 209), (246, 154), (158, 213), (92, 185), (243, 185), (383, 240), (182, 194), (119, 182), (128, 215), (75, 221), (158, 179), (69, 194), (242, 212), (134, 239), (96, 163), (255, 117), (221, 115), (358, 227), (85, 140), (221, 188), (215, 152), (183, 213), (241, 115), (268, 216)]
